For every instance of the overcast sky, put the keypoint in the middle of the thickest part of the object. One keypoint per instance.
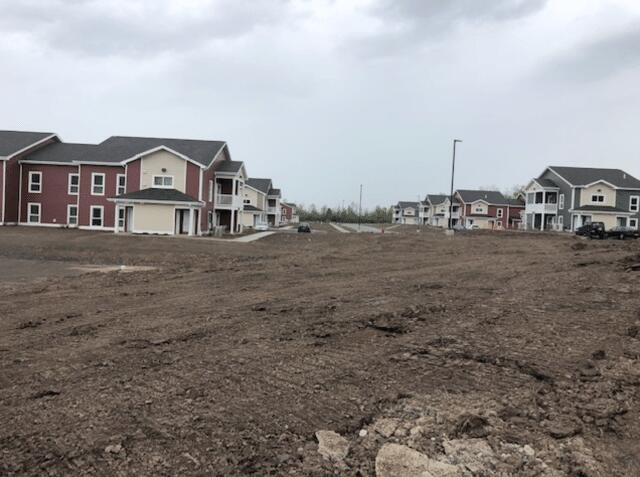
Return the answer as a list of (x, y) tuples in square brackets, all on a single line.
[(322, 95)]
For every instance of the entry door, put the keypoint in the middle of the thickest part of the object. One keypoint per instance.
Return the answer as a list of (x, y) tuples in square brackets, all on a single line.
[(621, 221)]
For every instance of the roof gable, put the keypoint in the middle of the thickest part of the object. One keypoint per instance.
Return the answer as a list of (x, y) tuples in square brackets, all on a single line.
[(13, 142), (581, 176), (487, 196), (124, 148), (262, 185)]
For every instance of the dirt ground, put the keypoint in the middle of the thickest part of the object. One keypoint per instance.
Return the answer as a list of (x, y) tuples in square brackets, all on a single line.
[(501, 354)]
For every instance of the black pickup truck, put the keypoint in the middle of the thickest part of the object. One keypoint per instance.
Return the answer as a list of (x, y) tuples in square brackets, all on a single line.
[(597, 230)]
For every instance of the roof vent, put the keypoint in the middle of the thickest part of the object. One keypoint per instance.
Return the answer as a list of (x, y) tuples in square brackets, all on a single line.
[(624, 175)]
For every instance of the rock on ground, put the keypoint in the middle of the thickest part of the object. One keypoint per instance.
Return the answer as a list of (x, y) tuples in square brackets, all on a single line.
[(332, 445), (395, 460)]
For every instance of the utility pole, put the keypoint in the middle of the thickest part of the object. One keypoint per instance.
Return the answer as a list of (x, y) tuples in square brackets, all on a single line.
[(360, 209), (453, 171)]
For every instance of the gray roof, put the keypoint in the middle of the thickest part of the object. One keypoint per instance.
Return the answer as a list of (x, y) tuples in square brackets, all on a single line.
[(168, 195), (251, 208), (14, 141), (600, 208), (489, 196), (263, 185), (547, 183), (275, 192), (437, 198), (120, 148), (229, 166), (516, 202), (578, 176), (62, 152), (406, 204)]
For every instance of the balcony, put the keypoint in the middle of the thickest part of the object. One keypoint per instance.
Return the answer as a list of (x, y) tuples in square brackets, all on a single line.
[(228, 201), (272, 210), (541, 208)]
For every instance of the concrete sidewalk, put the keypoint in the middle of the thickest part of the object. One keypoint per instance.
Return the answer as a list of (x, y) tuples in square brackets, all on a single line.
[(339, 229)]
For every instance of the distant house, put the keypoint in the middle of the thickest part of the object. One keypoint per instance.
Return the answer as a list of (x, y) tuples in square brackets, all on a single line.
[(288, 214), (565, 198), (405, 212), (439, 209), (489, 210), (262, 203)]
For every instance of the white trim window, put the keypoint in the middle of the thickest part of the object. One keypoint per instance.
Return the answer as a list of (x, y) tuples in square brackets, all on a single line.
[(633, 223), (121, 215), (97, 216), (634, 203), (500, 213), (34, 213), (163, 182), (97, 183), (74, 184), (35, 182), (597, 198), (72, 215), (561, 202), (121, 184)]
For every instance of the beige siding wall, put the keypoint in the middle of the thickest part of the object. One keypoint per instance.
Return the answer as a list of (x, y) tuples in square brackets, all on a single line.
[(610, 221), (598, 189), (154, 218), (479, 208), (153, 164), (247, 219)]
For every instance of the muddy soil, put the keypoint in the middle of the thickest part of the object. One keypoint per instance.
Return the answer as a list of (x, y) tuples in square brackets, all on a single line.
[(499, 354)]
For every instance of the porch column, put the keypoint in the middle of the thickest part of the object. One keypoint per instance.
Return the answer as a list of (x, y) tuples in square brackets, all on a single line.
[(192, 222), (542, 223), (232, 223), (116, 227)]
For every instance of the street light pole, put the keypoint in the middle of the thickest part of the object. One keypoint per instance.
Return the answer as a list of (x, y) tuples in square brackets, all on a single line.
[(360, 209), (453, 171)]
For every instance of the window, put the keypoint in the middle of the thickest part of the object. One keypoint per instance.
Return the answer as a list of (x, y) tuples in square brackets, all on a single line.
[(531, 198), (621, 221), (500, 213), (479, 210), (597, 198), (72, 215), (74, 184), (35, 182), (121, 188), (121, 212), (97, 216), (97, 184), (247, 201), (634, 203), (561, 202), (33, 211), (163, 182), (210, 191), (633, 223), (499, 224)]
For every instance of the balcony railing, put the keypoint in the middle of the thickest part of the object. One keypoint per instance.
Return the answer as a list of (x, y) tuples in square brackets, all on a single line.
[(272, 210), (228, 201), (533, 208)]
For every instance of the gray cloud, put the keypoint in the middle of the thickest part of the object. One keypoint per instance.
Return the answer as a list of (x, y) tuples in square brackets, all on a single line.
[(135, 28), (408, 24), (597, 59)]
